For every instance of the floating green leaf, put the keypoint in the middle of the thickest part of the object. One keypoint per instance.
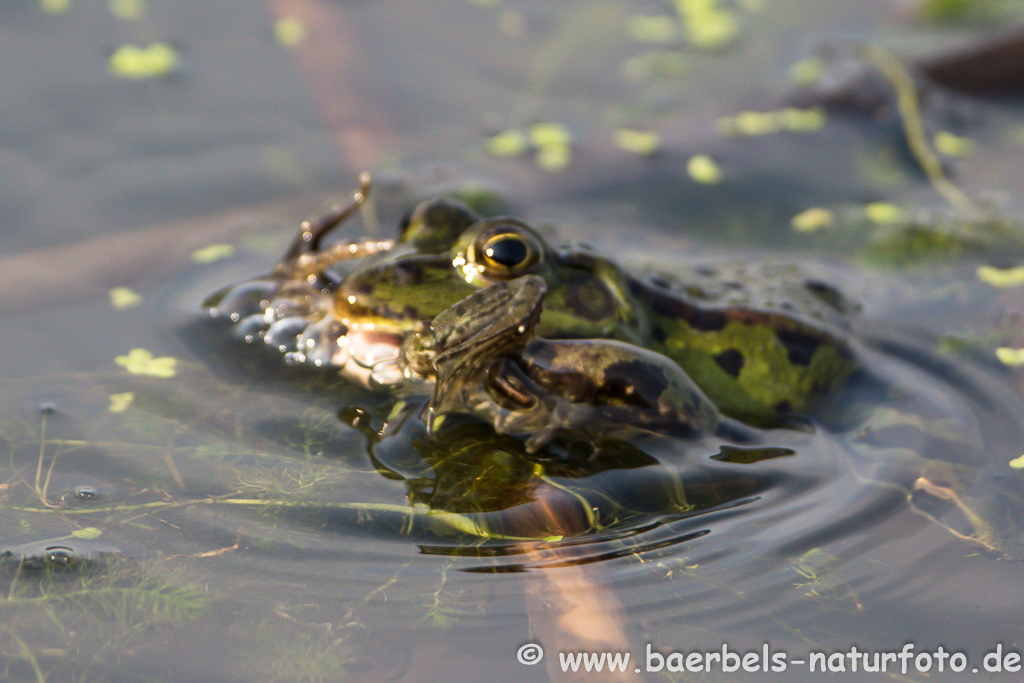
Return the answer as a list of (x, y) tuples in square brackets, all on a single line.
[(703, 169), (154, 61), (120, 402), (708, 26), (1001, 277), (142, 362), (55, 6), (507, 143), (813, 219), (123, 297), (1010, 356), (643, 142), (806, 72), (289, 31), (213, 252), (127, 10), (953, 145), (86, 533), (543, 134), (554, 157), (881, 213)]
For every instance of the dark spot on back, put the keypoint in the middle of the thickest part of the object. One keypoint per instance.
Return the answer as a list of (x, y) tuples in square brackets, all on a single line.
[(672, 305), (782, 407), (708, 321), (731, 361), (707, 271), (541, 353), (621, 379), (800, 346)]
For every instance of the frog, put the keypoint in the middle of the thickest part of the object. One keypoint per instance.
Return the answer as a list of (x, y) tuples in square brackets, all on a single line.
[(756, 340), (487, 360), (759, 340)]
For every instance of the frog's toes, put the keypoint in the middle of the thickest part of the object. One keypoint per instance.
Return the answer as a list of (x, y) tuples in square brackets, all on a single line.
[(242, 301), (283, 334), (321, 342), (252, 327)]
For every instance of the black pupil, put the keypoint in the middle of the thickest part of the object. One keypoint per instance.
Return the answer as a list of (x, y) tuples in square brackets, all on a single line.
[(508, 251)]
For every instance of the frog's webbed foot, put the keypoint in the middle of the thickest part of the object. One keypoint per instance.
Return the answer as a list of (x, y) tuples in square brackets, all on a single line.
[(520, 406), (304, 259), (291, 308)]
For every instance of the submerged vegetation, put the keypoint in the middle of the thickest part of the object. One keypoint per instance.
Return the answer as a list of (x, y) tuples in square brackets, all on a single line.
[(185, 453)]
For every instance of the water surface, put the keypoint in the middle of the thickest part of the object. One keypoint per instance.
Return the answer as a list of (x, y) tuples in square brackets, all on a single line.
[(229, 523)]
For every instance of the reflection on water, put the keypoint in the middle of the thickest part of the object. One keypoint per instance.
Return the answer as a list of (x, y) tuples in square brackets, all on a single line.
[(221, 510)]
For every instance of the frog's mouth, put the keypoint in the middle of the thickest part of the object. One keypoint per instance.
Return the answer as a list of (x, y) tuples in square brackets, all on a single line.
[(295, 317)]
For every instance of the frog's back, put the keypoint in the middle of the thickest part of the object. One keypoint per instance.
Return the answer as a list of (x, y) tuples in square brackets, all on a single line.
[(758, 338)]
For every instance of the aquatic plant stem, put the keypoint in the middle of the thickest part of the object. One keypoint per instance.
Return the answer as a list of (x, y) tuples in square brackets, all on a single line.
[(27, 653), (913, 127), (42, 487), (451, 520)]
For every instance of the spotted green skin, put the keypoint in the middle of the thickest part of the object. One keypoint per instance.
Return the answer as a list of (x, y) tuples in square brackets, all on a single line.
[(757, 340), (487, 360)]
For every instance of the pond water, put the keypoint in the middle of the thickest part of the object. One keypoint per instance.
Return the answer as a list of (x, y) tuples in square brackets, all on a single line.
[(179, 505)]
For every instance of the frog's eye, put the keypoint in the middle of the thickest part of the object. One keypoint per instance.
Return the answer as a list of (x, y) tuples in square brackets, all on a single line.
[(505, 250)]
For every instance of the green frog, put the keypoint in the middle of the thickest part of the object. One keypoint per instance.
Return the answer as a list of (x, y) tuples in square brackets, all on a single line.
[(534, 337), (486, 359), (758, 340)]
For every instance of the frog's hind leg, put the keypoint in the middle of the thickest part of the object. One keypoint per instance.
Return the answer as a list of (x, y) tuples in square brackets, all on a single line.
[(312, 232)]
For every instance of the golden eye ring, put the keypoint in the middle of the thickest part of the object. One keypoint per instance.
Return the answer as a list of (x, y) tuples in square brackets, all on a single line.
[(505, 250)]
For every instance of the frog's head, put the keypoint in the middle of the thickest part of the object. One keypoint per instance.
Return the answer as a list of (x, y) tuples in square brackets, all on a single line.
[(352, 304), (445, 252)]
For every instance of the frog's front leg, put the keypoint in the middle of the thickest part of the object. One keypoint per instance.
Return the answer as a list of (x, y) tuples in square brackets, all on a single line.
[(519, 406)]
